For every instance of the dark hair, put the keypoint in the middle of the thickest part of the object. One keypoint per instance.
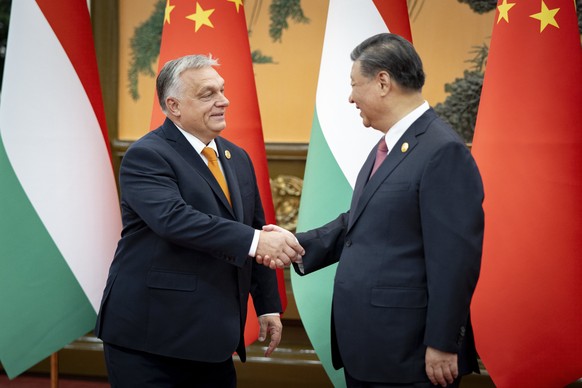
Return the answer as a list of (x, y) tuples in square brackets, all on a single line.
[(393, 54)]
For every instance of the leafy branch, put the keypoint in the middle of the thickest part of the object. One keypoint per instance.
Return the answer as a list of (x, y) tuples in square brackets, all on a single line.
[(460, 107), (145, 47), (281, 11)]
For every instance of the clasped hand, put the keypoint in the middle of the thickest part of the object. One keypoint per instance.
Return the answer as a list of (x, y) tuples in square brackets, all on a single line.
[(278, 248)]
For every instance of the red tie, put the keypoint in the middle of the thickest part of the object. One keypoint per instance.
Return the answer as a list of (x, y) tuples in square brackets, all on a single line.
[(381, 153)]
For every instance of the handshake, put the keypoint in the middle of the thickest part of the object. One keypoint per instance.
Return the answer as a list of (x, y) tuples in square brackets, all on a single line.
[(278, 248)]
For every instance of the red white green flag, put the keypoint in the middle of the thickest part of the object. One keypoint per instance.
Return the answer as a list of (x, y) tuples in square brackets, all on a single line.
[(219, 28), (338, 147), (59, 210), (527, 308)]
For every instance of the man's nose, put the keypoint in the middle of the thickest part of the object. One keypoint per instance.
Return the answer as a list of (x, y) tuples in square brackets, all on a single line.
[(223, 101)]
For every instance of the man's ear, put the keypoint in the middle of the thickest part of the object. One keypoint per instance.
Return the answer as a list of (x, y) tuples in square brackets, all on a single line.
[(384, 82), (173, 106)]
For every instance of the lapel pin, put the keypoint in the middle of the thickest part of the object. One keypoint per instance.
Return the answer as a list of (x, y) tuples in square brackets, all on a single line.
[(227, 154), (404, 147)]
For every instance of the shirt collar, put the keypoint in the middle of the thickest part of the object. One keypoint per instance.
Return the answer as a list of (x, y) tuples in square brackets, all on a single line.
[(397, 130), (197, 143)]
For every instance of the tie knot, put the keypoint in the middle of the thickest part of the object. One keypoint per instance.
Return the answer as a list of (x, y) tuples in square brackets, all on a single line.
[(382, 147), (209, 154)]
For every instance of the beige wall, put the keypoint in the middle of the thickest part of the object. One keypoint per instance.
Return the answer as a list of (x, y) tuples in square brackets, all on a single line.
[(134, 116), (443, 33), (287, 88)]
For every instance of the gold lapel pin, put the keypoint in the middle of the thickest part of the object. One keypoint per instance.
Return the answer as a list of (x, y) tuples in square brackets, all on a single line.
[(227, 154), (404, 147)]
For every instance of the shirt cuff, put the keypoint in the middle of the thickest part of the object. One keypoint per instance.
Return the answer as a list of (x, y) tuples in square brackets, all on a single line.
[(254, 244), (300, 266), (268, 314)]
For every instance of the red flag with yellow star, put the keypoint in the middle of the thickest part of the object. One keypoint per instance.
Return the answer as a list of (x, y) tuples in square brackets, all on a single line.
[(527, 308), (218, 27)]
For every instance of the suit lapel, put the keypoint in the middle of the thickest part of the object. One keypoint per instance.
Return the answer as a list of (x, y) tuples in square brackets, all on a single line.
[(184, 148), (361, 181), (394, 158)]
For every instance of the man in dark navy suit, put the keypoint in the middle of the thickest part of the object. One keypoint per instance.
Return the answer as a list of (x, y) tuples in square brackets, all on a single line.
[(175, 303), (409, 249)]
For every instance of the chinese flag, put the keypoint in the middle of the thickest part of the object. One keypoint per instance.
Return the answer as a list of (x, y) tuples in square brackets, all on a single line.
[(218, 27), (527, 308)]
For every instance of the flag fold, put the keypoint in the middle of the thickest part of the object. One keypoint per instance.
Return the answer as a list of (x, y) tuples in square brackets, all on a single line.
[(59, 210), (338, 147)]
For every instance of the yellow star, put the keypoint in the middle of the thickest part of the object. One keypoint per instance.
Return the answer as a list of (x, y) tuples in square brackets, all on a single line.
[(504, 11), (201, 17), (169, 9), (546, 16), (238, 3)]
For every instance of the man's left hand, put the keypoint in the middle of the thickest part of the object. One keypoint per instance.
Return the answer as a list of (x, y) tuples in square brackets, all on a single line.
[(272, 325), (441, 367)]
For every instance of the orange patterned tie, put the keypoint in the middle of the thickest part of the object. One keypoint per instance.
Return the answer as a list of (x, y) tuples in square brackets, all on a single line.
[(210, 155)]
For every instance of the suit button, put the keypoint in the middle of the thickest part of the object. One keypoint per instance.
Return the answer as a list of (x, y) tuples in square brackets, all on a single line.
[(461, 335), (348, 243)]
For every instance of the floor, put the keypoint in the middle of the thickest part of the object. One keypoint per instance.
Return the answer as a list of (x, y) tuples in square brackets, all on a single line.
[(44, 381)]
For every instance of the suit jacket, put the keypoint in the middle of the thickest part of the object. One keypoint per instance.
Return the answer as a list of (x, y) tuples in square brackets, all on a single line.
[(409, 253), (179, 282)]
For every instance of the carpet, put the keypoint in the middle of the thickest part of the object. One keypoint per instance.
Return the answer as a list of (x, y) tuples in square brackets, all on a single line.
[(44, 381)]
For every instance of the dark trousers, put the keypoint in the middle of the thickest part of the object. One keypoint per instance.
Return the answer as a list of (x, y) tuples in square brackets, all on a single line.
[(129, 368), (351, 382)]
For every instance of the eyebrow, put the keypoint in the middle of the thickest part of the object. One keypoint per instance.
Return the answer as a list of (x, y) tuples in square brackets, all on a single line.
[(210, 88)]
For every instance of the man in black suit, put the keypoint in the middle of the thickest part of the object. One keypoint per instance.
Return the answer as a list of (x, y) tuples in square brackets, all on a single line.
[(409, 249), (175, 303)]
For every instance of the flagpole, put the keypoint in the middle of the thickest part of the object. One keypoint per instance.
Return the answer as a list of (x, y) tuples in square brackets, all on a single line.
[(55, 370)]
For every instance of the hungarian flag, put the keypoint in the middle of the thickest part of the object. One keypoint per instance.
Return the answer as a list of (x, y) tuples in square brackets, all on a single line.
[(338, 147), (59, 210), (527, 308), (219, 28)]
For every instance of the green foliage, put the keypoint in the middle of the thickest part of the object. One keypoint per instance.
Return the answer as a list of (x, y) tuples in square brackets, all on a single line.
[(281, 11), (258, 57), (479, 60), (460, 107), (480, 6), (145, 47)]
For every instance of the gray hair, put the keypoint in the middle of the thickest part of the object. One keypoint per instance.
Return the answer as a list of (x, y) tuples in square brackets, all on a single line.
[(393, 54), (168, 81)]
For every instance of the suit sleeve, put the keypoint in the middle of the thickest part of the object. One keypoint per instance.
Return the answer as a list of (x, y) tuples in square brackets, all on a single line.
[(151, 192), (323, 246), (451, 196)]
